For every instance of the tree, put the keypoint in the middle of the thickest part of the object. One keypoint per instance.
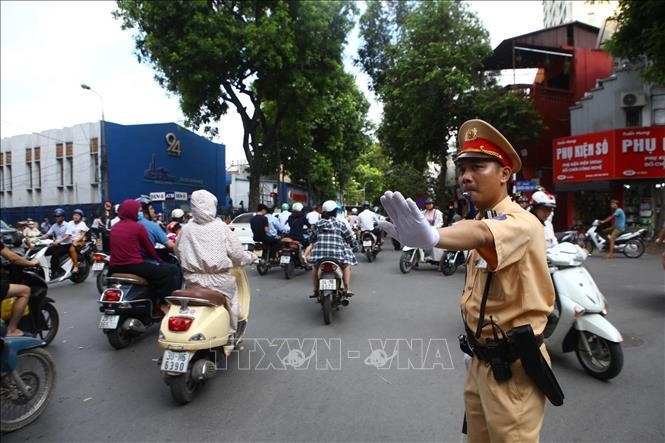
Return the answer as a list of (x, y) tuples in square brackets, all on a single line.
[(639, 36), (420, 57), (253, 55)]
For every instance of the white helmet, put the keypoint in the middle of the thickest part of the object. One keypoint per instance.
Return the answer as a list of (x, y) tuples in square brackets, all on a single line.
[(543, 198), (329, 206), (177, 213), (297, 207)]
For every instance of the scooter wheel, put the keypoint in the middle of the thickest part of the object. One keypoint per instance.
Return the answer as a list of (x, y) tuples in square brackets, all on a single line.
[(183, 388), (606, 358)]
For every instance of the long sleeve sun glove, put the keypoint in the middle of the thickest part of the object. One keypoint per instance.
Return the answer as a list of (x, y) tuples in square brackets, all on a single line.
[(408, 224)]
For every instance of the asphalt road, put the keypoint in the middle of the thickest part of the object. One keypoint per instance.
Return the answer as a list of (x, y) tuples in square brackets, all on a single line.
[(387, 369)]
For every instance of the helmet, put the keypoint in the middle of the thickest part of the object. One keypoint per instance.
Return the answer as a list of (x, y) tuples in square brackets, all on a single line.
[(354, 210), (285, 206), (145, 201), (297, 207), (365, 204), (177, 213), (543, 198), (59, 212), (79, 212), (329, 206)]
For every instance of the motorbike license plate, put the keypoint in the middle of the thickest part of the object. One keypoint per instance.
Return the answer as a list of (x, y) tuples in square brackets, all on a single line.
[(109, 321), (367, 243), (175, 361), (258, 252), (327, 284), (98, 266), (285, 259)]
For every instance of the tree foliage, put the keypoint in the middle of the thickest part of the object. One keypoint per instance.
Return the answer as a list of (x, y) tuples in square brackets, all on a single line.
[(272, 60), (639, 36), (420, 57)]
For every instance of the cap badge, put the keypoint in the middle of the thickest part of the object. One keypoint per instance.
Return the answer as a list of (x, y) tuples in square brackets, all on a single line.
[(471, 134)]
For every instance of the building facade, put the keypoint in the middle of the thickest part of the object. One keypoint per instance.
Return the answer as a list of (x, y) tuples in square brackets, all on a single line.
[(67, 168), (616, 150)]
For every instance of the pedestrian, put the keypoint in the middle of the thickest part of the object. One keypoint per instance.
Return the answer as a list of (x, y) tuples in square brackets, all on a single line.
[(618, 219), (507, 287)]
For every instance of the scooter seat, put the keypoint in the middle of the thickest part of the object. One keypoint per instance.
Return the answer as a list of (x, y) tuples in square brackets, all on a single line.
[(130, 278), (209, 295)]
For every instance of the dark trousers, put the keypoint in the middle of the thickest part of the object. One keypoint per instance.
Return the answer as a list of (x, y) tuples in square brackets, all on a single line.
[(160, 276), (57, 252)]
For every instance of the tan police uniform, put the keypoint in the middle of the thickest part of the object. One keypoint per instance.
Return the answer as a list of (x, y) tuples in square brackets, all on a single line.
[(521, 292)]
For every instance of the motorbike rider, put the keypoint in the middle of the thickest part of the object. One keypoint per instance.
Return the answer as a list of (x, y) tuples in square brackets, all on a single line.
[(542, 205), (618, 218), (283, 216), (61, 241), (329, 240), (155, 232), (21, 292), (208, 249), (77, 230), (434, 217), (368, 220), (129, 244), (261, 230)]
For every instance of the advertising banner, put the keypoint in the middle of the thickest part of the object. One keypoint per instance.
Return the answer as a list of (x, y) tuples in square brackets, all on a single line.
[(632, 153)]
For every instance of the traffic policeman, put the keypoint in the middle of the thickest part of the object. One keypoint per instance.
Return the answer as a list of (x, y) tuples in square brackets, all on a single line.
[(507, 290)]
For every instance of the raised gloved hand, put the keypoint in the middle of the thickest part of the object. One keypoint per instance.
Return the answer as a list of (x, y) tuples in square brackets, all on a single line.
[(408, 224)]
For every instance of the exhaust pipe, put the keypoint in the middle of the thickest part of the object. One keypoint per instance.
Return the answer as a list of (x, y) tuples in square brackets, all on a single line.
[(132, 324), (203, 370)]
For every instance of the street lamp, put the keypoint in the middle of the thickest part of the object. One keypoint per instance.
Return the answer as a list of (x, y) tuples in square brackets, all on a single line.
[(103, 164)]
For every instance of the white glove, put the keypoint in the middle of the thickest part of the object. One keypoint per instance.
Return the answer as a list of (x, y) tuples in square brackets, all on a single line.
[(409, 225)]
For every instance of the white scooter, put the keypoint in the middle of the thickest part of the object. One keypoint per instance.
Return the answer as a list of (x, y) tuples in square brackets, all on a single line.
[(629, 243), (578, 322), (195, 335), (38, 249), (413, 257)]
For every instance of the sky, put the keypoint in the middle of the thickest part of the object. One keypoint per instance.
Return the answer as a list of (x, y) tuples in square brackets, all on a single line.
[(49, 48)]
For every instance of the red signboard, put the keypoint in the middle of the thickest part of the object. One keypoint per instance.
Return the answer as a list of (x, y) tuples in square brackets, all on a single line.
[(633, 153)]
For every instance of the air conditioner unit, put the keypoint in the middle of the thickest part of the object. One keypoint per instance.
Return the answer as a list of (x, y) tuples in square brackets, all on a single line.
[(632, 99)]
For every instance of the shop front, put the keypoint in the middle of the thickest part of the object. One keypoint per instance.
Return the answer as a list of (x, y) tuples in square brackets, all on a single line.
[(626, 164)]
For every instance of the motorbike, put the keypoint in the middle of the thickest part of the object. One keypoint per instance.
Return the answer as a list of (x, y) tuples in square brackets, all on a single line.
[(578, 322), (332, 292), (267, 259), (290, 257), (128, 307), (412, 258), (40, 316), (27, 373), (195, 332), (38, 251), (100, 266), (370, 246), (451, 260), (630, 244)]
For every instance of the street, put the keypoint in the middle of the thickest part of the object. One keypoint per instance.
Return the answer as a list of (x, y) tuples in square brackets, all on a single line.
[(388, 367)]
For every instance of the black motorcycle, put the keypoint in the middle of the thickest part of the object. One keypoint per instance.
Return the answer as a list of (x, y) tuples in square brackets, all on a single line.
[(290, 257), (40, 317), (128, 307)]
